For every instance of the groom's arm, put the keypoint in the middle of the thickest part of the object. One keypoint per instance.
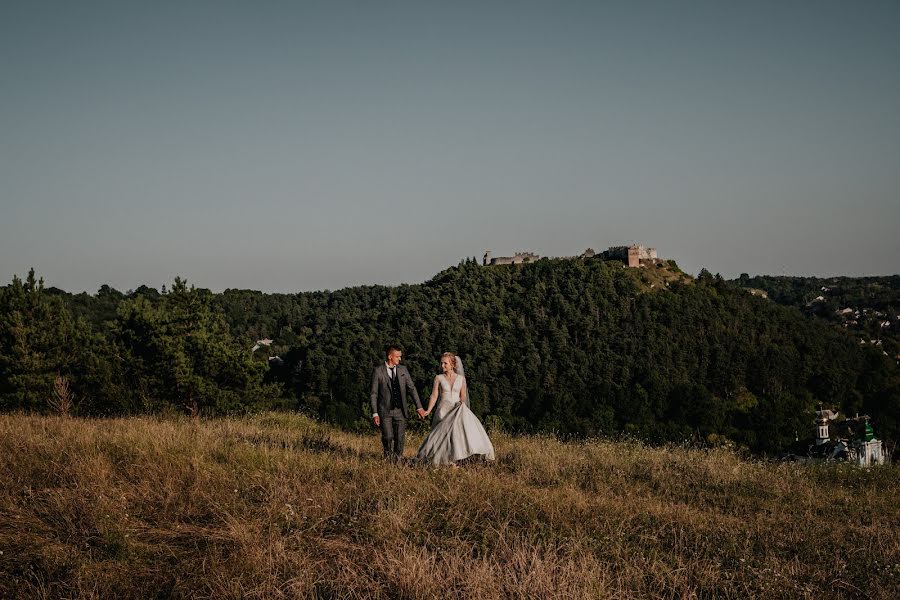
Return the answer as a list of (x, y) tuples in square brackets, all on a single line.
[(373, 396)]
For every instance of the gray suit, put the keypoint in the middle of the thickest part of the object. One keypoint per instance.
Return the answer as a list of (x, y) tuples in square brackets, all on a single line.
[(393, 421)]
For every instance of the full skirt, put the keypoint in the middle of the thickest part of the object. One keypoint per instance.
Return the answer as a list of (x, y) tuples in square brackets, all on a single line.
[(457, 435)]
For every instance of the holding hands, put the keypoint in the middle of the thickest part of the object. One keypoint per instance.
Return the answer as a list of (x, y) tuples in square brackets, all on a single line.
[(419, 411)]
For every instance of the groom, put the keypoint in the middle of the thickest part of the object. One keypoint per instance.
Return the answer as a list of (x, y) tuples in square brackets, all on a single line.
[(390, 385)]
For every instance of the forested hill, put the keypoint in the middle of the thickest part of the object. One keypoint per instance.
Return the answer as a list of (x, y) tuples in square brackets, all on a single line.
[(581, 347), (866, 307)]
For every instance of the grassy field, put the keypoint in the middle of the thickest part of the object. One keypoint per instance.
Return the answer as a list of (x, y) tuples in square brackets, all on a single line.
[(278, 506)]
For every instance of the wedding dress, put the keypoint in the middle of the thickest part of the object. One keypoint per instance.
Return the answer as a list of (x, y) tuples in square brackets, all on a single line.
[(456, 433)]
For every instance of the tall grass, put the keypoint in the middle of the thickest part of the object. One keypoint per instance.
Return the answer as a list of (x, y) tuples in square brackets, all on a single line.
[(278, 506)]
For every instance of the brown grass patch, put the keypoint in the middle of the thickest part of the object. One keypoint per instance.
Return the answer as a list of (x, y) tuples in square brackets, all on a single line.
[(278, 506)]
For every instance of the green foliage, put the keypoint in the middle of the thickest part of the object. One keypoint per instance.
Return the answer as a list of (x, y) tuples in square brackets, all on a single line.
[(39, 340), (868, 310), (582, 348), (868, 307), (574, 347), (156, 351), (179, 351)]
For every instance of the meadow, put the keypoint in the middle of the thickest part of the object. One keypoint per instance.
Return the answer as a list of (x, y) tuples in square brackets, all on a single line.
[(280, 506)]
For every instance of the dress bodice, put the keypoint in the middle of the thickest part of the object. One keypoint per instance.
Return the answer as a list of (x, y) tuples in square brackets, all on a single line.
[(450, 394)]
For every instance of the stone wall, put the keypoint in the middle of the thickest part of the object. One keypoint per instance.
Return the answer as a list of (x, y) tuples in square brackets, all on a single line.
[(518, 258)]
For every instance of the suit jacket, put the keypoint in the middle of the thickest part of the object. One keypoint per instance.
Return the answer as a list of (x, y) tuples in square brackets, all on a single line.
[(381, 390)]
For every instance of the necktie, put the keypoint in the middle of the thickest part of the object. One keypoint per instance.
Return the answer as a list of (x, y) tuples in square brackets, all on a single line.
[(392, 373)]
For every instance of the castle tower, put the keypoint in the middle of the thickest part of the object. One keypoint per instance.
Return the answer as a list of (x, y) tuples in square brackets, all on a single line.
[(487, 258), (634, 256)]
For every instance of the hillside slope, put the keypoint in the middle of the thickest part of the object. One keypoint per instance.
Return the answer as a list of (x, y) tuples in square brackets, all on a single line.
[(585, 347), (866, 307), (278, 506), (572, 347)]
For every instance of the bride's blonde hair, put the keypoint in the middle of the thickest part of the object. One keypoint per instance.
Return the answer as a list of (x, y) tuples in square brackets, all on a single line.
[(452, 358)]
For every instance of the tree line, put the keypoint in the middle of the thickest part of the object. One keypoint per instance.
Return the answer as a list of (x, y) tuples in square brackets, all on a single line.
[(867, 307), (579, 347)]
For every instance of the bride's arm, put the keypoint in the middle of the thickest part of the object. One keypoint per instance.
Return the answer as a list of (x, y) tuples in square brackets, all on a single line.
[(434, 394), (464, 392)]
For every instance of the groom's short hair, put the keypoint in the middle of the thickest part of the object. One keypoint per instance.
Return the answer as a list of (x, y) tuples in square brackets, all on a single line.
[(391, 348)]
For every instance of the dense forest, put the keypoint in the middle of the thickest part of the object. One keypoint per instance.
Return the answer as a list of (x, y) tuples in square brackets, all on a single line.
[(579, 347), (867, 307)]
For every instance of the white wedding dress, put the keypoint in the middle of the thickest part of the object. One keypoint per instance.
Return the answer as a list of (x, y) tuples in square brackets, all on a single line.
[(456, 433)]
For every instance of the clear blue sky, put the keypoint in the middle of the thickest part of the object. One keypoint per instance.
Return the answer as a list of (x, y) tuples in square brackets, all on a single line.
[(288, 146)]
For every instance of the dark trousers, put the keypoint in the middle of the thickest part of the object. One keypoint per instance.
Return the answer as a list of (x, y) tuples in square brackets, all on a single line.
[(393, 432)]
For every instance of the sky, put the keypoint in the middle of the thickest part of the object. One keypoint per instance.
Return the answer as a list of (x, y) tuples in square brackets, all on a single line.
[(289, 146)]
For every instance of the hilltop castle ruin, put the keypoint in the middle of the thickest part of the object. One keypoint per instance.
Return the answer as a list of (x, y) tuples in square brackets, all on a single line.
[(632, 256), (516, 259)]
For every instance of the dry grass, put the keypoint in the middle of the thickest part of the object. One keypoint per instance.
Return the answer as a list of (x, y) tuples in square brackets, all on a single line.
[(277, 506)]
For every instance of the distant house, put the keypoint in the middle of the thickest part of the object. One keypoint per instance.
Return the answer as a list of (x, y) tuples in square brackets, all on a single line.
[(260, 343)]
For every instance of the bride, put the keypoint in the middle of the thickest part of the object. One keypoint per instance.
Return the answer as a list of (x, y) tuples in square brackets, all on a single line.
[(456, 433)]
